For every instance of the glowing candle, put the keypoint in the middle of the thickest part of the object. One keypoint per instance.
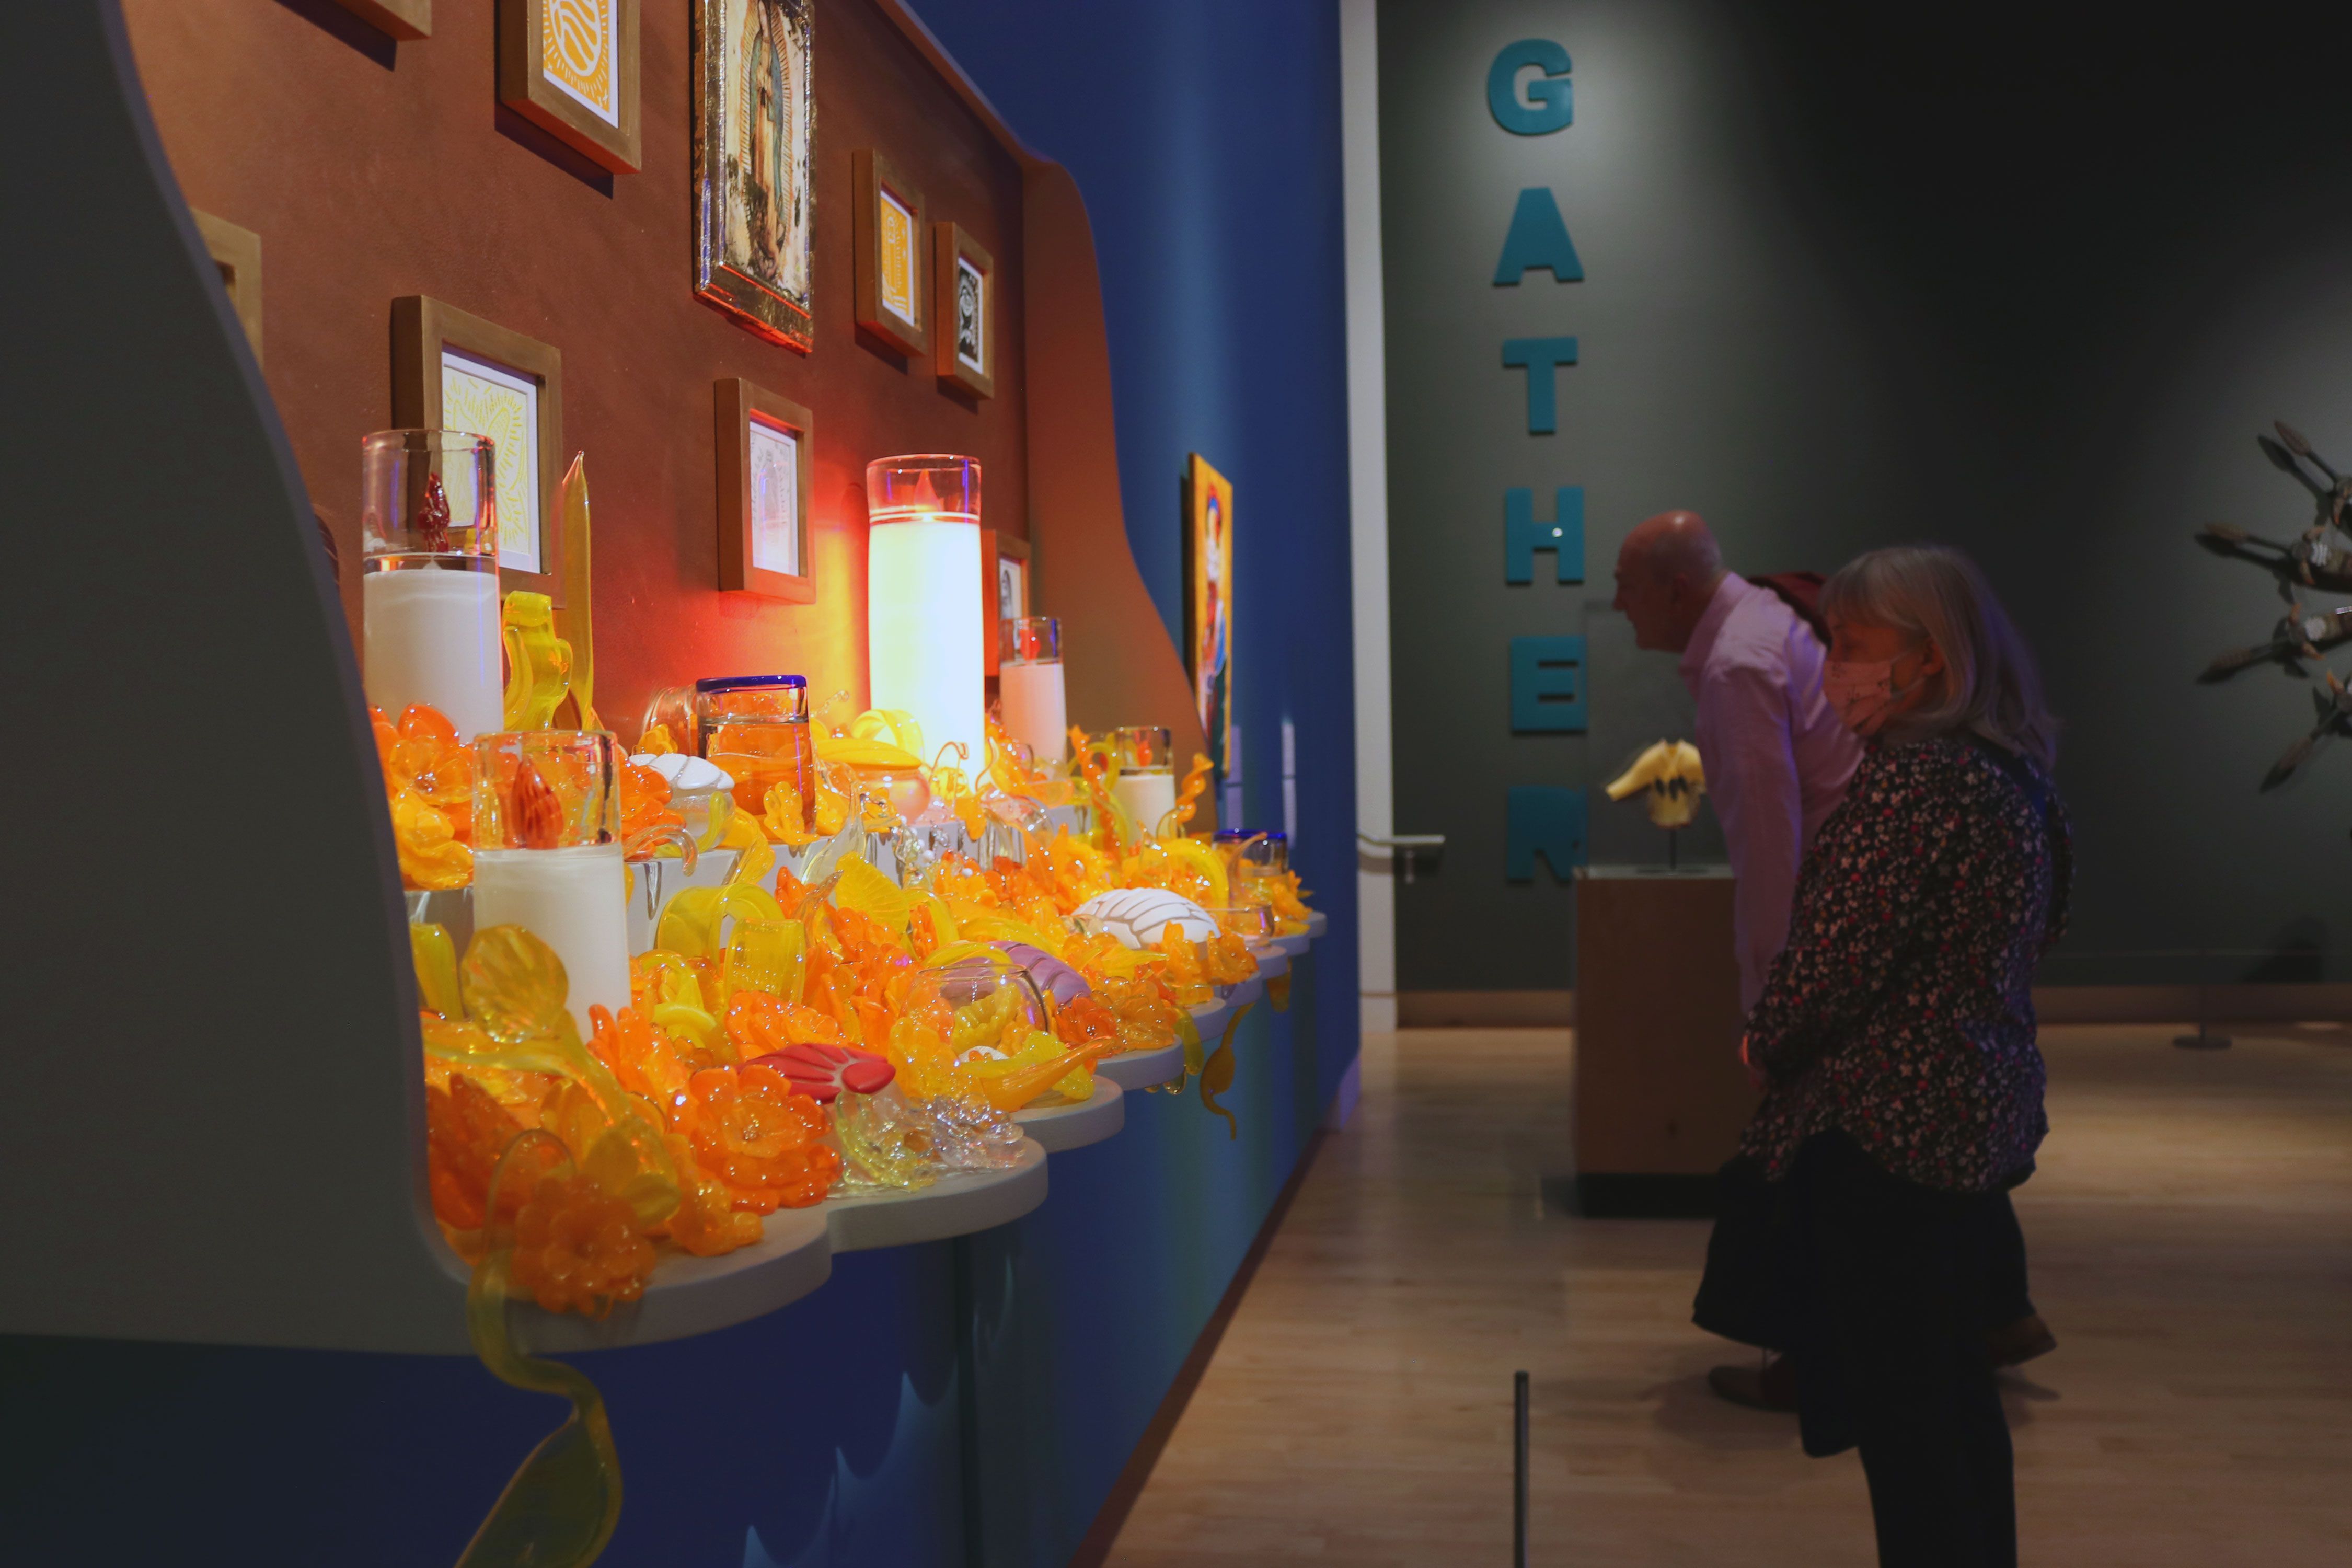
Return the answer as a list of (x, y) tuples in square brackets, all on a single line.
[(429, 598), (923, 607), (547, 854), (1029, 680), (1145, 785)]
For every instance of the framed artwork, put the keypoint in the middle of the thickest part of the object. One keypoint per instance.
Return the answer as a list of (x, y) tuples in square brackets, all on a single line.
[(754, 123), (964, 303), (570, 67), (1004, 587), (1209, 603), (405, 19), (764, 470), (237, 252), (887, 230), (452, 371)]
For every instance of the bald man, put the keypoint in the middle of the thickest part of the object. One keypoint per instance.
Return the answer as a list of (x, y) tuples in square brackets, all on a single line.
[(1776, 759)]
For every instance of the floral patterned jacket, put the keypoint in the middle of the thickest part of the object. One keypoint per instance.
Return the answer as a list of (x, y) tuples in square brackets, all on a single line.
[(1901, 1010)]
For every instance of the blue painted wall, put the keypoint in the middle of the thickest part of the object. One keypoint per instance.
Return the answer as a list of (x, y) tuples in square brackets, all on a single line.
[(963, 1403)]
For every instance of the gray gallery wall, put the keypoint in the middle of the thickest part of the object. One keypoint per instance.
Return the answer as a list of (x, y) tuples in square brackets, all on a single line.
[(2025, 280)]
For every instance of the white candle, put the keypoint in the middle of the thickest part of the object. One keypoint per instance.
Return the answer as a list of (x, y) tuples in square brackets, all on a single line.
[(923, 630), (573, 899), (1146, 795), (1037, 711), (433, 637)]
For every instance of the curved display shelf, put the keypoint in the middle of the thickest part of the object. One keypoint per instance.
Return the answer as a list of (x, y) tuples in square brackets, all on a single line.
[(696, 1295), (953, 1205), (688, 1295), (1074, 1123), (1317, 922), (1143, 1069)]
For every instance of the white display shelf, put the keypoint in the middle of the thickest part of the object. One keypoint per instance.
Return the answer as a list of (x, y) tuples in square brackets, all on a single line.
[(687, 1295), (953, 1205), (692, 1295), (1074, 1123), (1143, 1069), (1317, 922)]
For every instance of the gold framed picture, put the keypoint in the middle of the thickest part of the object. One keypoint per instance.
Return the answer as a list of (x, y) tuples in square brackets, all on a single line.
[(754, 124), (964, 303), (765, 465), (888, 231), (570, 67), (452, 371), (1209, 603)]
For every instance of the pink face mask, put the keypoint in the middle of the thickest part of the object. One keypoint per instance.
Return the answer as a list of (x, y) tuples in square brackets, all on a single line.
[(1858, 692)]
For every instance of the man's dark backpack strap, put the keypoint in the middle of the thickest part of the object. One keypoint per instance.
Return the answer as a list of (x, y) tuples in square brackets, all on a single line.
[(1802, 591)]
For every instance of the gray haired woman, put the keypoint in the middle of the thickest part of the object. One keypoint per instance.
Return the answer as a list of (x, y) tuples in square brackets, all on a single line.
[(1895, 1041)]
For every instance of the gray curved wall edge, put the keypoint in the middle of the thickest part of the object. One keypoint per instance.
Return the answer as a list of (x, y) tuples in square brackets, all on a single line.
[(210, 1111)]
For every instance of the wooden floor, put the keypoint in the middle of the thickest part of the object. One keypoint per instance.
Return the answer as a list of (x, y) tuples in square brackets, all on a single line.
[(2192, 1243)]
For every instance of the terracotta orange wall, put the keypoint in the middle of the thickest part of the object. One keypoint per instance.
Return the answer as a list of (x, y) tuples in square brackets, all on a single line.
[(371, 172)]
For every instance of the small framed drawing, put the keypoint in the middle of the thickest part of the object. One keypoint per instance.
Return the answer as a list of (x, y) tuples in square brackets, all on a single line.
[(452, 371), (570, 67), (887, 231), (754, 123), (963, 303), (236, 254), (764, 445), (1003, 587)]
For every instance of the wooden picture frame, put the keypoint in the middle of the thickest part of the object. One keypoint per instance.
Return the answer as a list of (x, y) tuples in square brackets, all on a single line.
[(570, 67), (1004, 587), (407, 20), (963, 307), (758, 434), (515, 381), (236, 253), (887, 231), (754, 252)]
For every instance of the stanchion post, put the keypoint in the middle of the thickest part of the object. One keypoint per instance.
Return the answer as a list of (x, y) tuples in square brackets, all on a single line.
[(1519, 1470)]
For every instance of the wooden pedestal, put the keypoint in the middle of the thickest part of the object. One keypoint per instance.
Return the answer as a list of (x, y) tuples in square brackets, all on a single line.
[(1660, 1094)]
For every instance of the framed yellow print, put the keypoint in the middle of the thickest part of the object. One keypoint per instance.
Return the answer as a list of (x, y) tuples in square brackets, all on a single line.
[(570, 67), (452, 371), (888, 231)]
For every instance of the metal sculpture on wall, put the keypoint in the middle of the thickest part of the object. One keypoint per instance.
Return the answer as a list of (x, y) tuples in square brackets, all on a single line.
[(2318, 559)]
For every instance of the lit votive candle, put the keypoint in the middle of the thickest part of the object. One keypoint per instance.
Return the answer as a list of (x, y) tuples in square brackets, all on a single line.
[(429, 595), (1029, 682), (546, 854), (1146, 787)]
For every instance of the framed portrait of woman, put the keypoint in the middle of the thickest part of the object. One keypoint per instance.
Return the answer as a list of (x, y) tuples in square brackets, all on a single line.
[(754, 124)]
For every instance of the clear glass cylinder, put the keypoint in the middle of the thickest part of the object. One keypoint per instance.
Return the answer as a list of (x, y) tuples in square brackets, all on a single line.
[(924, 623), (430, 589), (1255, 850), (546, 789), (1031, 639), (923, 485), (757, 727), (1141, 748)]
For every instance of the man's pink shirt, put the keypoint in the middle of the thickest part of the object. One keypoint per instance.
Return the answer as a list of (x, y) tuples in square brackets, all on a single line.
[(1776, 759)]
